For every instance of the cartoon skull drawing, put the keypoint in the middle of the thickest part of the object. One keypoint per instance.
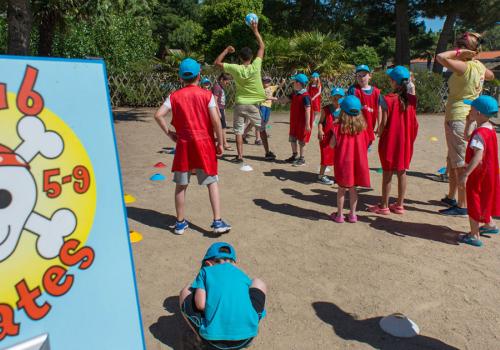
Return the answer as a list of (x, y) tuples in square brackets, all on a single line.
[(18, 193)]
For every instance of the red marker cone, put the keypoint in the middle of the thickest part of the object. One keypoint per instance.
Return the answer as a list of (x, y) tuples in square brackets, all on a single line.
[(160, 165)]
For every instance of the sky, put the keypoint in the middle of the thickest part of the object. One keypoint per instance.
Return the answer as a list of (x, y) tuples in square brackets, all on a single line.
[(434, 24)]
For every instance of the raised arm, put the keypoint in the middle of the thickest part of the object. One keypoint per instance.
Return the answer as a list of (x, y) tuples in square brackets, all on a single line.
[(219, 61), (450, 60), (262, 46)]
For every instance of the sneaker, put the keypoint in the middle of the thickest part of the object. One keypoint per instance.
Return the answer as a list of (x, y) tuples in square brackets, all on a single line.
[(220, 226), (448, 201), (258, 142), (299, 162), (292, 159), (454, 211), (180, 227), (325, 180), (270, 156)]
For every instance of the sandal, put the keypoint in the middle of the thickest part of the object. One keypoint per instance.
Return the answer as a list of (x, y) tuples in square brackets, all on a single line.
[(470, 240), (352, 218), (487, 230), (339, 219), (397, 209), (228, 148), (378, 210)]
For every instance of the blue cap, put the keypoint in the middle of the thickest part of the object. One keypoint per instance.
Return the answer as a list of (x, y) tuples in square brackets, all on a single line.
[(398, 74), (337, 91), (315, 75), (301, 78), (485, 104), (205, 80), (214, 252), (189, 68), (351, 105), (363, 68)]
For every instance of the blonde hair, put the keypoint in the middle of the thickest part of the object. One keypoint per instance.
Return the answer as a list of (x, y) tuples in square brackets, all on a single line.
[(470, 41), (351, 125)]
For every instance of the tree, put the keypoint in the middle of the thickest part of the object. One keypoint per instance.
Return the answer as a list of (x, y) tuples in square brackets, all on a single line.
[(365, 55), (19, 27), (402, 33)]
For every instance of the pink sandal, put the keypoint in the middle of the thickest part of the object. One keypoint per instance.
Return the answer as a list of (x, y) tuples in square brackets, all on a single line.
[(397, 209), (339, 219), (352, 218), (378, 210)]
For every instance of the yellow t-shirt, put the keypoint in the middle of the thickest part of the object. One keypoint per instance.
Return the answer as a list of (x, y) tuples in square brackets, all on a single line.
[(269, 93), (248, 80), (467, 86)]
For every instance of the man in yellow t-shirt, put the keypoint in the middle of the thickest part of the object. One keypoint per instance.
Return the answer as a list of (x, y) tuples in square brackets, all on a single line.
[(466, 82), (249, 92)]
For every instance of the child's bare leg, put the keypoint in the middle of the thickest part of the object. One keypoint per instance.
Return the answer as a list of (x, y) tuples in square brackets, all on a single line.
[(265, 142), (294, 147), (402, 181), (322, 170), (239, 145), (474, 228), (302, 147), (259, 284), (224, 139), (386, 188), (353, 199), (213, 193), (180, 200), (247, 130), (185, 292), (257, 134), (461, 198), (340, 200)]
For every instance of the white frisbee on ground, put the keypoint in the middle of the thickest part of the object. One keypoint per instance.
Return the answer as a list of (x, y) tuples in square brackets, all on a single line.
[(246, 167), (398, 325)]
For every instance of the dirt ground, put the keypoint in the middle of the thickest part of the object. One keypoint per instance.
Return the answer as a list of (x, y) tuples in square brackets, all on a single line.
[(329, 284)]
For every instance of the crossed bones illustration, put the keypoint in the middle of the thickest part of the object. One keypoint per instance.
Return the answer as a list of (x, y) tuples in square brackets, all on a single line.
[(18, 193)]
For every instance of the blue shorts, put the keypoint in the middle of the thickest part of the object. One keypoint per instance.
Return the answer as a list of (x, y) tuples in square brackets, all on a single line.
[(265, 114)]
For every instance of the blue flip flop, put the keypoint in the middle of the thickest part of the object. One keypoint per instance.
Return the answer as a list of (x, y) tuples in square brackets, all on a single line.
[(484, 230), (470, 240)]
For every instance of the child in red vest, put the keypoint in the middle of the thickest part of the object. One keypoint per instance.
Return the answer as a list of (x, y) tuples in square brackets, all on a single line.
[(301, 119), (398, 131), (329, 116), (351, 159), (370, 99), (195, 118), (481, 178), (314, 90)]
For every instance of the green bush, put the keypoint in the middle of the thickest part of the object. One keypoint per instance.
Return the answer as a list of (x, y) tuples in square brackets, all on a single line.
[(365, 55), (427, 86)]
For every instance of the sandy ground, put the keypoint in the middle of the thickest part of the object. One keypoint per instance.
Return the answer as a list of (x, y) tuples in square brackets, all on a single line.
[(329, 283)]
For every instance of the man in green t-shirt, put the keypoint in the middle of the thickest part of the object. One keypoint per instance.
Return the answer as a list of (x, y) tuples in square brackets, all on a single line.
[(249, 92)]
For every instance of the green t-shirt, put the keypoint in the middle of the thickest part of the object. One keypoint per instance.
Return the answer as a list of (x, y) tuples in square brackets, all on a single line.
[(467, 86), (248, 79)]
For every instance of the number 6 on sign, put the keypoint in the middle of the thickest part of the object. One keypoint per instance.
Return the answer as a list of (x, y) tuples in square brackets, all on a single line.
[(29, 102)]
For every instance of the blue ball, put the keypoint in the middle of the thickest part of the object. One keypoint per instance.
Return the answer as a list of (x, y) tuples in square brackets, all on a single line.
[(251, 17)]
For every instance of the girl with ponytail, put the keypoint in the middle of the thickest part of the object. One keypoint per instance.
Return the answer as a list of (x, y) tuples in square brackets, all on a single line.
[(397, 131)]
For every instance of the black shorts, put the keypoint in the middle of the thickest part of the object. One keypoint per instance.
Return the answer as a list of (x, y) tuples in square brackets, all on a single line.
[(194, 316), (222, 118)]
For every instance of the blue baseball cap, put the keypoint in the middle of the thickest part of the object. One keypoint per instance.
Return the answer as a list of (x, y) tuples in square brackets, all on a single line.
[(398, 74), (301, 78), (315, 75), (363, 68), (485, 104), (351, 105), (205, 80), (189, 68), (337, 91), (215, 252)]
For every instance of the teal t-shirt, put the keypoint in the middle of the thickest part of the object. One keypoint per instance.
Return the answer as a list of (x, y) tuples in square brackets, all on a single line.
[(229, 314)]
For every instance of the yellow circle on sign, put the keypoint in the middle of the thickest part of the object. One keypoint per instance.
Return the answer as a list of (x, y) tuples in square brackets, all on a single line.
[(25, 262)]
